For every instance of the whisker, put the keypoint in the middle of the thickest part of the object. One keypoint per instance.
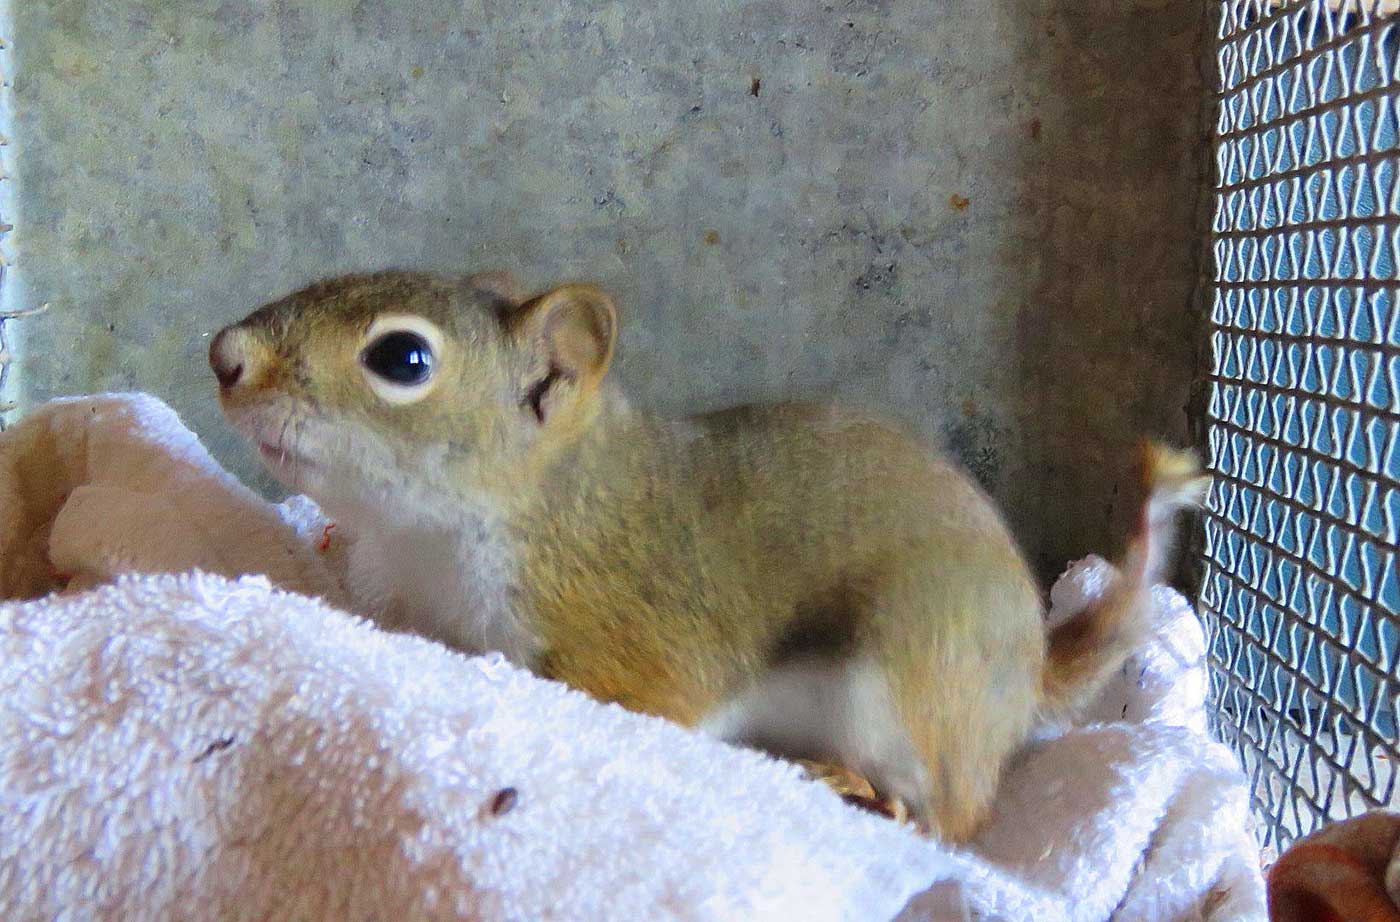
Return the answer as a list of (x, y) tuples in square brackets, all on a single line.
[(282, 437), (297, 431)]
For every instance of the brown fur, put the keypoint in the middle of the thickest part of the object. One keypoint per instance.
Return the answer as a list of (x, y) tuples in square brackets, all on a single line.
[(668, 565)]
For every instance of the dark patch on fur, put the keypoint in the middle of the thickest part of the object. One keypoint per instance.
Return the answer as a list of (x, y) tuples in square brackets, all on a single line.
[(535, 398), (827, 625)]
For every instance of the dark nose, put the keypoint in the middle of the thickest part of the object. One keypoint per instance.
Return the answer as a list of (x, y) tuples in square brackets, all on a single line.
[(227, 356)]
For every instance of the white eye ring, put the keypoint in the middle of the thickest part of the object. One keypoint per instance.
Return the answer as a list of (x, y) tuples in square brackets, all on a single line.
[(393, 392)]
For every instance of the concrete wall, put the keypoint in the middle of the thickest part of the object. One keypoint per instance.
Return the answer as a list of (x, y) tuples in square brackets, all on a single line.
[(975, 214)]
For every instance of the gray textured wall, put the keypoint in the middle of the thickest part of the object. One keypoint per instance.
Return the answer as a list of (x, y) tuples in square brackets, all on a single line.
[(975, 214)]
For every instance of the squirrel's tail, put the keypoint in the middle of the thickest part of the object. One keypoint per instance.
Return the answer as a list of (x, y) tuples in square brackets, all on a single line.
[(1085, 650)]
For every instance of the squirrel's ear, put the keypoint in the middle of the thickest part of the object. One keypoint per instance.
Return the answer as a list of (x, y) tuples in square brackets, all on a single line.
[(569, 334)]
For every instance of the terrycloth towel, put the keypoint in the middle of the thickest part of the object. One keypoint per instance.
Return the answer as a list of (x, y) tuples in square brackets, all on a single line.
[(202, 746), (94, 487)]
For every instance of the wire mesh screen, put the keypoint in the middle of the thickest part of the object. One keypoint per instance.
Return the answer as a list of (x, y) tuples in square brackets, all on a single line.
[(5, 229), (1301, 590)]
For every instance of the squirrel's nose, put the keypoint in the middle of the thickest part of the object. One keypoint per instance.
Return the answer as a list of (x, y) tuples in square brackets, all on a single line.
[(228, 356)]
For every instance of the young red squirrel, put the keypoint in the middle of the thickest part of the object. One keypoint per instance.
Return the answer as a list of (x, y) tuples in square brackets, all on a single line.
[(796, 577)]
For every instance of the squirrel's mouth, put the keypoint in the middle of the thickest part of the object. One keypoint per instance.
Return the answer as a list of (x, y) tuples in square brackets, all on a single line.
[(278, 432)]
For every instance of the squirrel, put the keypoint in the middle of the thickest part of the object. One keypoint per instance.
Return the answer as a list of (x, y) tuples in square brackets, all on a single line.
[(798, 578)]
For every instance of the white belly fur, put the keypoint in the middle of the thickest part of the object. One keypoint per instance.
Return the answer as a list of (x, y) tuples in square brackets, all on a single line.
[(450, 583)]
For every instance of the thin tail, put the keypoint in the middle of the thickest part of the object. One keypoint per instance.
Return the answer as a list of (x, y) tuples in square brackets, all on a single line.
[(1086, 650)]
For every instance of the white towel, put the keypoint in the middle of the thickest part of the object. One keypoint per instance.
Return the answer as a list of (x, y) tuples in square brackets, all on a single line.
[(202, 746)]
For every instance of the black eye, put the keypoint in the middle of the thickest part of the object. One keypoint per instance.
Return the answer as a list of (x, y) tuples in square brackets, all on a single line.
[(400, 357)]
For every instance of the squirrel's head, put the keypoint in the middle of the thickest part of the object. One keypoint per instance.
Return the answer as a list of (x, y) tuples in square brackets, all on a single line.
[(372, 388)]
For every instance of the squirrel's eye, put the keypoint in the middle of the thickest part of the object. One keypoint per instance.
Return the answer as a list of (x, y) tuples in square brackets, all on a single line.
[(401, 357)]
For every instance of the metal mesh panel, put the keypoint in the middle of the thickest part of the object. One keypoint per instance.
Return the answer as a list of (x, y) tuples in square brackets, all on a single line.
[(1301, 590)]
